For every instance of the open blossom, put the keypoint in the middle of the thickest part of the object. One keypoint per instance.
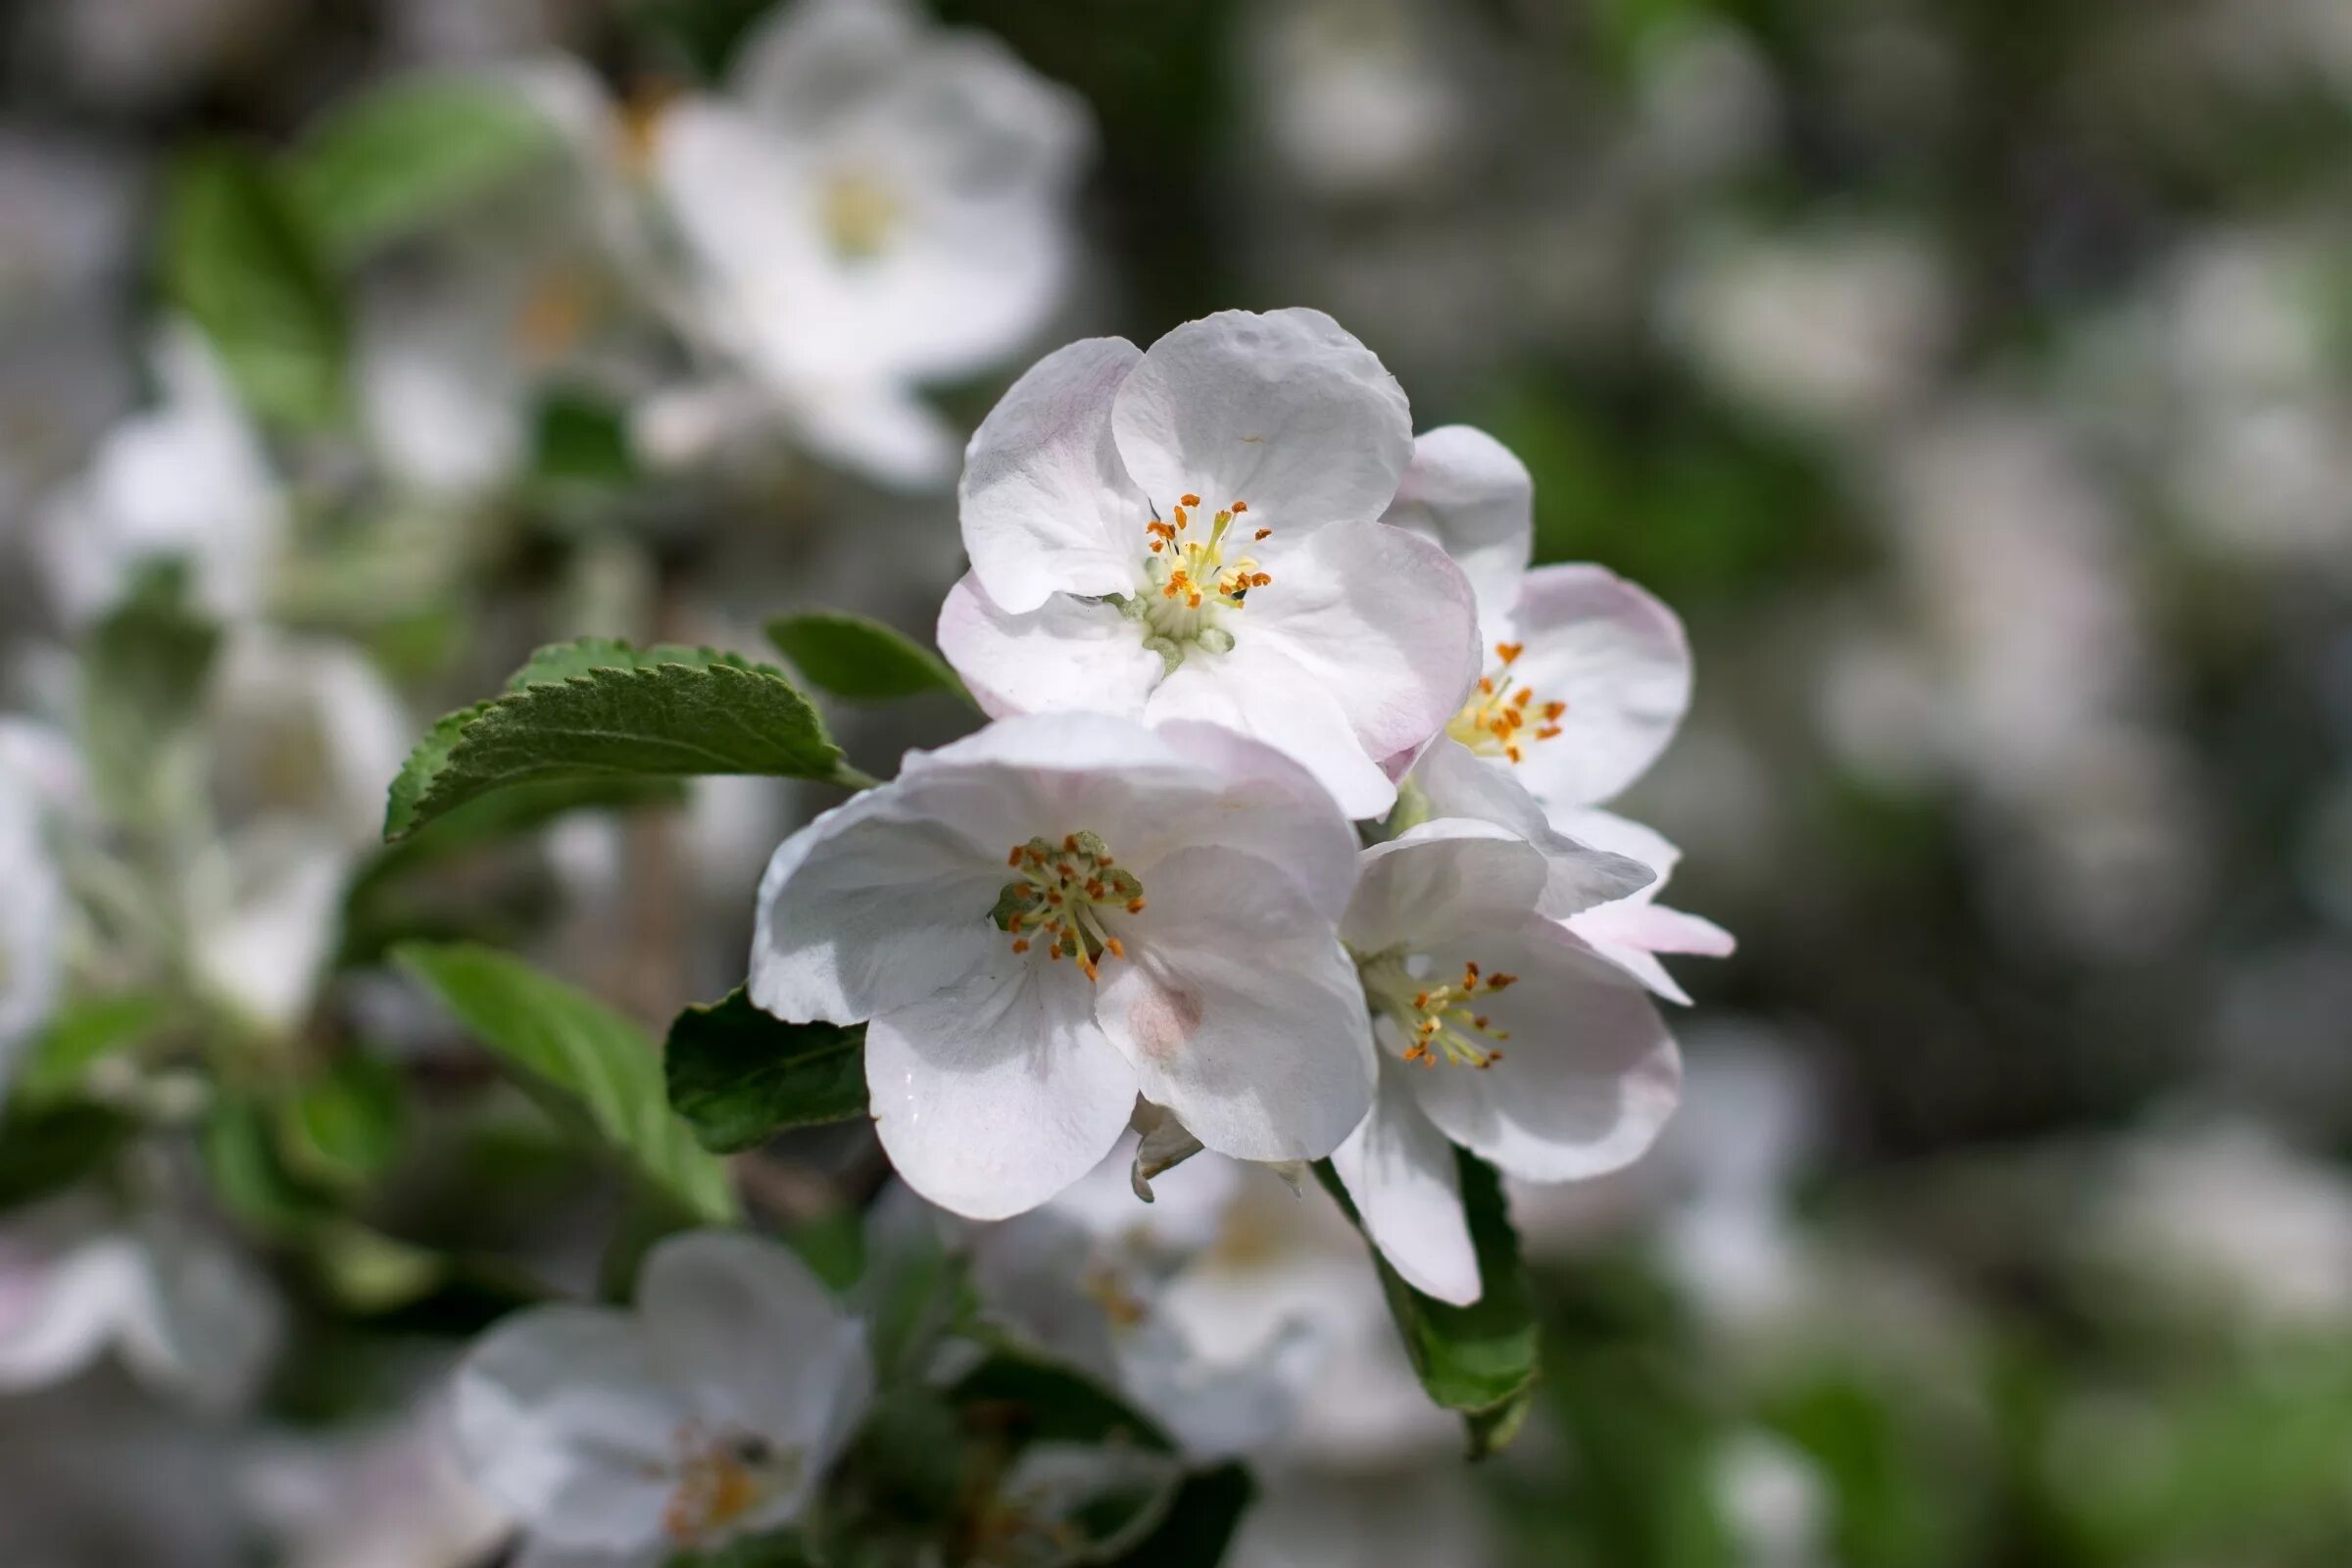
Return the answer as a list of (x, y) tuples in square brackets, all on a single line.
[(1497, 1030), (1586, 678), (711, 1411), (1188, 532), (874, 206), (1062, 912)]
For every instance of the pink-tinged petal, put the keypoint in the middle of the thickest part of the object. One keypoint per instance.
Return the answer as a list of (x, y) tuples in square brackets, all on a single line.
[(1466, 494), (1285, 412), (1589, 1074), (755, 1340), (1382, 620), (1581, 872), (58, 1309), (1256, 690), (998, 1092), (1631, 934), (1240, 1011), (1439, 878), (1616, 658), (1270, 806), (1068, 653), (563, 1419), (1399, 1170), (1622, 835), (1045, 506)]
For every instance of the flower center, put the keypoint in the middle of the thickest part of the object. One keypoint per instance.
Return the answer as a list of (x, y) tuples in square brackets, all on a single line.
[(1059, 898), (1438, 1021), (721, 1479), (1493, 722), (1189, 584), (859, 215)]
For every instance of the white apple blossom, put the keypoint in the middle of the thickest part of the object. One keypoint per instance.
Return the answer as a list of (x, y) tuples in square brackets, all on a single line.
[(385, 1494), (187, 480), (32, 920), (1062, 912), (874, 206), (1456, 962), (711, 1411), (1276, 606), (184, 1311), (1587, 680)]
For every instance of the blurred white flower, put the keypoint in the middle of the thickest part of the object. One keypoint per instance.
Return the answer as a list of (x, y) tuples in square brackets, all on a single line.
[(1428, 1515), (1775, 1501), (1277, 607), (1832, 330), (389, 1495), (186, 1312), (1202, 968), (32, 915), (1356, 96), (1456, 962), (187, 481), (874, 204), (711, 1411)]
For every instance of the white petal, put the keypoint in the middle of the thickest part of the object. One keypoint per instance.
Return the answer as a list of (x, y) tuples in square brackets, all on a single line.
[(1400, 1172), (563, 1418), (757, 1342), (59, 1308), (1582, 873), (1380, 619), (1284, 411), (1439, 878), (1589, 1075), (875, 429), (1631, 934), (1045, 503), (1622, 835), (1066, 654), (206, 1323), (807, 60), (1617, 658), (1240, 1011), (1256, 691), (1269, 805), (272, 919), (1466, 492), (998, 1092), (877, 903)]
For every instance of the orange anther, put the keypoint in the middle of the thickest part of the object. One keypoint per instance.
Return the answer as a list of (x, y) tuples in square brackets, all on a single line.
[(1240, 507), (1509, 653), (1189, 500), (1263, 533), (1135, 905), (1020, 945)]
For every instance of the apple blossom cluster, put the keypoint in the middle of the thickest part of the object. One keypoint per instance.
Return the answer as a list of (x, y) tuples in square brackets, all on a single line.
[(1288, 829)]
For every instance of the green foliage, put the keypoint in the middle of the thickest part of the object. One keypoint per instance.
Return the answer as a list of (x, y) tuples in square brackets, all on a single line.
[(81, 1035), (394, 161), (143, 673), (860, 660), (582, 439), (1200, 1524), (581, 1054), (48, 1147), (248, 1169), (1020, 1398), (240, 259), (602, 709), (739, 1075), (346, 1125), (1482, 1359)]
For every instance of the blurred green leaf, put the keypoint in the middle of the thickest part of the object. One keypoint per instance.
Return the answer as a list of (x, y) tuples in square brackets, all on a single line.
[(387, 162), (346, 1125), (248, 1169), (1482, 1359), (777, 1548), (582, 439), (587, 1056), (739, 1075), (241, 261), (860, 660), (602, 709), (1200, 1524), (81, 1035), (143, 673), (48, 1147), (1022, 1399)]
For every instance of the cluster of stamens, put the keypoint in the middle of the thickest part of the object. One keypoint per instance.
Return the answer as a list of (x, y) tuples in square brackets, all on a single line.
[(1440, 1022), (1059, 898), (1495, 721), (720, 1479), (1191, 580)]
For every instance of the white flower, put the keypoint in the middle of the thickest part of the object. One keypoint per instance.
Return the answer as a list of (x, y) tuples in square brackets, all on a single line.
[(388, 1494), (185, 1313), (877, 205), (31, 921), (1457, 963), (1587, 680), (1062, 912), (1189, 533), (187, 480), (714, 1410)]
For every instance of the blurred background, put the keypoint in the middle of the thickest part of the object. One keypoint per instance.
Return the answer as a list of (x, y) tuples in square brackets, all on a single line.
[(1974, 377)]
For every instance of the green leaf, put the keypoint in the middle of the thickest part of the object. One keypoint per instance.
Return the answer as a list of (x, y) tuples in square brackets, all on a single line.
[(582, 439), (46, 1147), (590, 1057), (600, 710), (860, 660), (1482, 1359), (240, 259), (1199, 1525), (776, 1548), (1026, 1398), (248, 1169), (143, 675), (81, 1036), (388, 162), (739, 1075), (346, 1125)]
